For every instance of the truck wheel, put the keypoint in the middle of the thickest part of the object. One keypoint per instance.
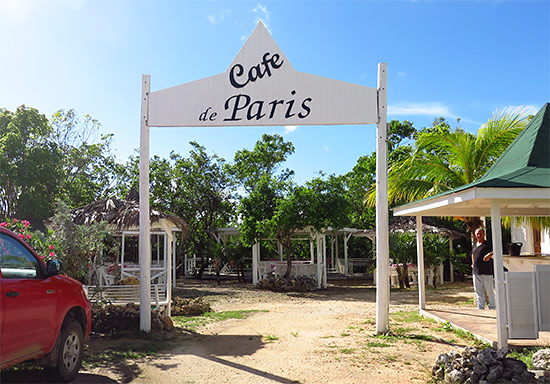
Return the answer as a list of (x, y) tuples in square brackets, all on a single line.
[(70, 352)]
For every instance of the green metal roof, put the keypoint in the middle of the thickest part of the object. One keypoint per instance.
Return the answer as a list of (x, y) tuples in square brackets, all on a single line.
[(526, 161)]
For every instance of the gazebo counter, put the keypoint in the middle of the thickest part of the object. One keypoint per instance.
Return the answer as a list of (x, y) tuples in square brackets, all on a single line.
[(525, 262)]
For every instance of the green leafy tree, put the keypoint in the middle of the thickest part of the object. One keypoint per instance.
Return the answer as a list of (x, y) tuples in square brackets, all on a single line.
[(30, 165), (202, 196), (197, 188), (269, 153), (89, 168)]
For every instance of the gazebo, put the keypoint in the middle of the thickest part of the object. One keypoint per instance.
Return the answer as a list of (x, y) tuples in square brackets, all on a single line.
[(122, 218), (315, 265), (518, 184)]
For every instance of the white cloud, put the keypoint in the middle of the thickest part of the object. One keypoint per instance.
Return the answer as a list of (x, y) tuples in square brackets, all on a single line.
[(401, 74), (262, 14), (435, 109), (15, 11), (325, 148), (215, 19), (289, 129)]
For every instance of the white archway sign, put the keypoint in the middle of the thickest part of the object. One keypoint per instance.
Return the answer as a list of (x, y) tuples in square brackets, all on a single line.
[(259, 88)]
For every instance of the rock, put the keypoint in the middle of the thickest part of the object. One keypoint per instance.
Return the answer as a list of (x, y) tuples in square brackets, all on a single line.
[(455, 377), (541, 359), (482, 367), (189, 307), (494, 373), (442, 359), (291, 284), (486, 357)]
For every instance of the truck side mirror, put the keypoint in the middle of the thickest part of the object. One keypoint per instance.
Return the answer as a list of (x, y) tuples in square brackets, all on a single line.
[(54, 267)]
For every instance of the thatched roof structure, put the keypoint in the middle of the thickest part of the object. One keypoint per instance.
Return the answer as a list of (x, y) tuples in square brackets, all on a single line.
[(121, 214), (408, 224)]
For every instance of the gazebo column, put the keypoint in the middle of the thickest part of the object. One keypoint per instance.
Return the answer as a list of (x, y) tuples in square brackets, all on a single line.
[(451, 268), (312, 249), (420, 264), (496, 232), (337, 254), (168, 268), (122, 245), (255, 262), (321, 261), (346, 266)]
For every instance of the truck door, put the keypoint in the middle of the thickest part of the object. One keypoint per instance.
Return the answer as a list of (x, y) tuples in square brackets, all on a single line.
[(29, 302)]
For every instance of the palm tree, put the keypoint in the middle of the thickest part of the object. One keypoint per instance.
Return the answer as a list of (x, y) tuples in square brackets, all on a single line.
[(445, 159)]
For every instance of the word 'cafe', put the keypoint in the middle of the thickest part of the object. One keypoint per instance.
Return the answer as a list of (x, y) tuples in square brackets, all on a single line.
[(241, 106)]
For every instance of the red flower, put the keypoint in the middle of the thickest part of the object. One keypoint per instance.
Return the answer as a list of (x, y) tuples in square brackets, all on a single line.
[(50, 247), (51, 254), (21, 236), (28, 236)]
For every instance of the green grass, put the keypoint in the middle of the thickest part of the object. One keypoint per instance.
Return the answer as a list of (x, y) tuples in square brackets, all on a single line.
[(525, 355), (194, 322), (465, 335), (347, 351), (377, 344), (410, 317), (270, 338)]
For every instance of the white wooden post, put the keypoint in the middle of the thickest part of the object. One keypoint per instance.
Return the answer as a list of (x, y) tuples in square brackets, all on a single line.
[(168, 268), (319, 259), (451, 267), (122, 257), (382, 240), (255, 261), (174, 262), (420, 264), (280, 250), (311, 249), (324, 262), (144, 219), (502, 319), (337, 254), (346, 266)]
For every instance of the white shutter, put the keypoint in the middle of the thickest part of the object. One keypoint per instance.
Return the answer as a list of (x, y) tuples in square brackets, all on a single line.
[(542, 277), (522, 315)]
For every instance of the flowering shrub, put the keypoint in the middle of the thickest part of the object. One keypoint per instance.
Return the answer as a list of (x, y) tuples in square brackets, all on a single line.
[(42, 245)]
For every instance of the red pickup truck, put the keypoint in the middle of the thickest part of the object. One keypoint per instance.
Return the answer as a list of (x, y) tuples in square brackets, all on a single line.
[(43, 315)]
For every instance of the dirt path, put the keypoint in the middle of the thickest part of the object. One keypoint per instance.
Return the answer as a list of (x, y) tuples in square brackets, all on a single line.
[(322, 337)]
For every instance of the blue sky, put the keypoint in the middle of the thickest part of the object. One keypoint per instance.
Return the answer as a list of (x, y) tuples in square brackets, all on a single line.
[(456, 59)]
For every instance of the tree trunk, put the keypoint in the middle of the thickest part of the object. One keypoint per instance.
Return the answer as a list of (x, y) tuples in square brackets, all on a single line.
[(403, 275)]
